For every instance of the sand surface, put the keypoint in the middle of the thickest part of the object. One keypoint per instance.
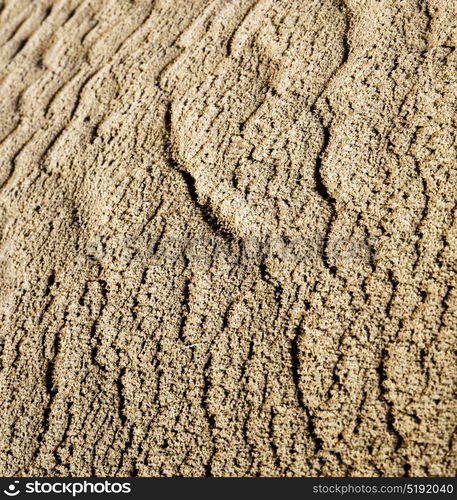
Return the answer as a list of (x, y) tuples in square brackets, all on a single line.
[(228, 237)]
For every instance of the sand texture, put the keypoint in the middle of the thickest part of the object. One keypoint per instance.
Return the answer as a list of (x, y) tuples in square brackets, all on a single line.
[(228, 237)]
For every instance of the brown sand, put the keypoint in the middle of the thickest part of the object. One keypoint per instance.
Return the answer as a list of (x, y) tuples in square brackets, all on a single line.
[(228, 237)]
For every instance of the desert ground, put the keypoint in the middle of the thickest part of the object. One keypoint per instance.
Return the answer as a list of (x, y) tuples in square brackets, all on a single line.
[(228, 238)]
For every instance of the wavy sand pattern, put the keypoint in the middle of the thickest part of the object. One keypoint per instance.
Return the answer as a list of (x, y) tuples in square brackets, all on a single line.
[(228, 237)]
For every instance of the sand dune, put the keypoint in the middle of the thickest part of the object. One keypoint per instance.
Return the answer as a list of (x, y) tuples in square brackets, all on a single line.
[(228, 237)]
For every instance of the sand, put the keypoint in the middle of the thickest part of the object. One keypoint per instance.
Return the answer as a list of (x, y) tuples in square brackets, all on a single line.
[(228, 237)]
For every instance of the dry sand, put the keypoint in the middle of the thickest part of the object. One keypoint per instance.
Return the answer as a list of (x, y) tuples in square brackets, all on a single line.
[(228, 237)]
